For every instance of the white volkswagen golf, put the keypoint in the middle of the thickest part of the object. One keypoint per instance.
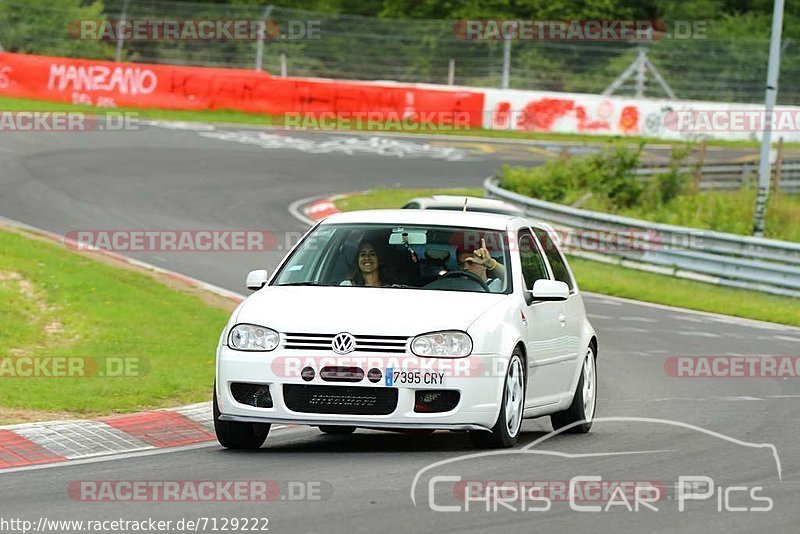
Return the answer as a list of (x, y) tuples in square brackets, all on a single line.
[(409, 320)]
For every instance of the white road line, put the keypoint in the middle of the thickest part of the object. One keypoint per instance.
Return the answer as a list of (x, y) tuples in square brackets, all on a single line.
[(704, 399), (715, 316), (608, 302), (782, 338), (295, 211), (687, 318), (698, 334), (627, 329), (638, 319)]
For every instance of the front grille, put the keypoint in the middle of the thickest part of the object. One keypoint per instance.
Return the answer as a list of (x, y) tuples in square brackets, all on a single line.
[(340, 399), (364, 343), (252, 394)]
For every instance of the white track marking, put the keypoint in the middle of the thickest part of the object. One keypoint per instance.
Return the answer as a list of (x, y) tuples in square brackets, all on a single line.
[(754, 323), (698, 333), (639, 319), (626, 329)]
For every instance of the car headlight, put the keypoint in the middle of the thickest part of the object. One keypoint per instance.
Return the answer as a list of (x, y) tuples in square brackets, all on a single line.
[(449, 344), (252, 337)]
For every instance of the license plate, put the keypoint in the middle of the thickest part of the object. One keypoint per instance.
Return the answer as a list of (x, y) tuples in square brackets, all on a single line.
[(413, 377)]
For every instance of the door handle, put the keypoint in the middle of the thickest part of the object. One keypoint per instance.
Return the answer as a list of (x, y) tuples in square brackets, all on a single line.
[(562, 319)]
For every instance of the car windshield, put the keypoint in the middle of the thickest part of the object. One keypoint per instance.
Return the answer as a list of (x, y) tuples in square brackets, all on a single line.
[(400, 257)]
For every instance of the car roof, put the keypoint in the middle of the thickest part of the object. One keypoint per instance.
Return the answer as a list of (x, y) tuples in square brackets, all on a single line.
[(489, 221), (456, 201)]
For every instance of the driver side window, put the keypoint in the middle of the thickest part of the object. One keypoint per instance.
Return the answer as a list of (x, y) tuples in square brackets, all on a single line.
[(533, 266)]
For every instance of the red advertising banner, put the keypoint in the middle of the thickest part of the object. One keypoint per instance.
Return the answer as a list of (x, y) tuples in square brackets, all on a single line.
[(110, 84)]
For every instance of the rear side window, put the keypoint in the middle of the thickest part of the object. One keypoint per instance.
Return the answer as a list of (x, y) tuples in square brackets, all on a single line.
[(533, 267), (559, 266)]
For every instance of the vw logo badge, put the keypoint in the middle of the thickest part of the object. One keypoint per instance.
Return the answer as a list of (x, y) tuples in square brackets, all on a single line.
[(343, 343)]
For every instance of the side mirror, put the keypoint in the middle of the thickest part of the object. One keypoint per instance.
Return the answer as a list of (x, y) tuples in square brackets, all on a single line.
[(257, 279), (550, 290)]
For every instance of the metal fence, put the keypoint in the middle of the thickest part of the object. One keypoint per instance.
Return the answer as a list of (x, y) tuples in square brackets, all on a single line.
[(759, 264), (732, 176), (364, 48)]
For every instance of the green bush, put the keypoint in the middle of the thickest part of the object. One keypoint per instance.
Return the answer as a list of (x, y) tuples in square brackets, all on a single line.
[(608, 176), (606, 182), (38, 27)]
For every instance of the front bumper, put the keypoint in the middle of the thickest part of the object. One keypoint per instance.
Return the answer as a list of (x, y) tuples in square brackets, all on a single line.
[(477, 378)]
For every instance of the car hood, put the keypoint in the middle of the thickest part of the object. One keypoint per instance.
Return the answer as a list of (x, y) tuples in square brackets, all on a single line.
[(363, 310)]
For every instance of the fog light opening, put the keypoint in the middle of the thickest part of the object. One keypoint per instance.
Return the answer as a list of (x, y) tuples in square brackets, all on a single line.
[(374, 375), (307, 374)]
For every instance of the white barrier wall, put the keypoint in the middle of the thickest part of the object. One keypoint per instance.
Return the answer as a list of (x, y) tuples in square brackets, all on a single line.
[(540, 111)]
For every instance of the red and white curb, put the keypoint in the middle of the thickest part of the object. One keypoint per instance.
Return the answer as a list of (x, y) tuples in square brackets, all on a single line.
[(314, 209), (60, 441), (28, 444)]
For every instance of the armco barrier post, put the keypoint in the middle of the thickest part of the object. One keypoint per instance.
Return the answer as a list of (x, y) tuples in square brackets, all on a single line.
[(773, 72), (506, 78), (121, 34), (451, 72), (262, 30)]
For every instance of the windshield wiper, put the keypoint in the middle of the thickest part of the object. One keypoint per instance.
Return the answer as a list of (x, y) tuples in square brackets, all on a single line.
[(302, 284)]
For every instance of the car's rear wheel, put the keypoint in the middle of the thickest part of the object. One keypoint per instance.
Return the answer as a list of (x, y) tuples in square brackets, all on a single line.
[(337, 430), (582, 409), (233, 435), (505, 432)]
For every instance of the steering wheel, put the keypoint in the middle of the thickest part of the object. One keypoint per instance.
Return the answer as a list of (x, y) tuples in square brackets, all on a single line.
[(466, 275)]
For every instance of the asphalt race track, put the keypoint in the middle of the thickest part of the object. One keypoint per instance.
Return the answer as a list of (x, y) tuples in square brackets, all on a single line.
[(181, 178)]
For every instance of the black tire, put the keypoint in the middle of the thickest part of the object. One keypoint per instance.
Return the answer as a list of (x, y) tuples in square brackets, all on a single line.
[(576, 411), (500, 435), (337, 430), (233, 435)]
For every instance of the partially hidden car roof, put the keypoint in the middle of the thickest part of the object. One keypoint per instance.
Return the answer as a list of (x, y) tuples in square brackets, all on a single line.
[(489, 221), (455, 201)]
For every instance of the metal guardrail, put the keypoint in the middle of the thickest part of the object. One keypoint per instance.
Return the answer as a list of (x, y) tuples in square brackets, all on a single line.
[(729, 176), (766, 265)]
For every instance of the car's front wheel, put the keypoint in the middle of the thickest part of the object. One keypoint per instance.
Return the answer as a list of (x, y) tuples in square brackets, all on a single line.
[(580, 414), (233, 435), (505, 432)]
